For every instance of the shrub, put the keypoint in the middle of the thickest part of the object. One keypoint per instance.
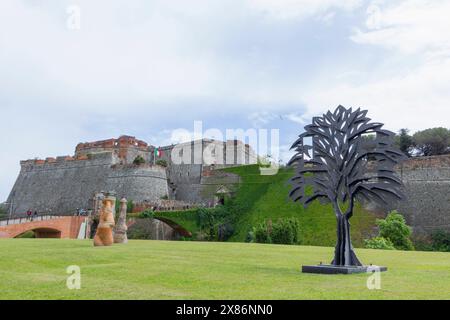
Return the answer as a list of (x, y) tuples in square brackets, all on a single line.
[(148, 213), (161, 162), (224, 231), (379, 243), (139, 160), (433, 141), (440, 241), (250, 236), (261, 233), (395, 229), (284, 231), (206, 220), (422, 242), (130, 206), (142, 229)]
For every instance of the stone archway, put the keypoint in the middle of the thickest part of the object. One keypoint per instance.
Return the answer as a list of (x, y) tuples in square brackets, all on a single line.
[(43, 233), (157, 228)]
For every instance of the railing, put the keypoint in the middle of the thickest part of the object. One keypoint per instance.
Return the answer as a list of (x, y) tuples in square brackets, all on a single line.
[(20, 220)]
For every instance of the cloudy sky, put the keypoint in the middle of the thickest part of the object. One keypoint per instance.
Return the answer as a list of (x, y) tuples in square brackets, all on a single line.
[(146, 67)]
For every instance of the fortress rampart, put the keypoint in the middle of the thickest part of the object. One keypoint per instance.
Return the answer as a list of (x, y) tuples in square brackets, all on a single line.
[(427, 184), (61, 185), (427, 189)]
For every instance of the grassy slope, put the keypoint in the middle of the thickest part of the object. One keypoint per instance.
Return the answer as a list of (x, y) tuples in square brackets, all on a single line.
[(265, 197), (36, 269)]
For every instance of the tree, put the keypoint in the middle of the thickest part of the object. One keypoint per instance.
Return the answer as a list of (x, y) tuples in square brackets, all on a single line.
[(338, 169), (395, 229), (404, 142), (139, 160), (161, 162), (434, 141)]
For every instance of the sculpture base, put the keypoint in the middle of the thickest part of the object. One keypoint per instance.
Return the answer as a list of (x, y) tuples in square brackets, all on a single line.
[(330, 269)]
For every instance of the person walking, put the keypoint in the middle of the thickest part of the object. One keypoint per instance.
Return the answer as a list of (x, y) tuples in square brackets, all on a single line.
[(35, 214), (29, 214)]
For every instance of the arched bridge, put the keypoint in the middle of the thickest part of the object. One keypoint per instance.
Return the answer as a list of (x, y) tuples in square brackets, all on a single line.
[(178, 228), (43, 226)]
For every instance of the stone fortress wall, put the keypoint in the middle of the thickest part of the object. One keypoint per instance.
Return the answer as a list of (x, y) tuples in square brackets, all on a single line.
[(427, 184), (63, 184), (58, 184), (186, 174), (426, 207)]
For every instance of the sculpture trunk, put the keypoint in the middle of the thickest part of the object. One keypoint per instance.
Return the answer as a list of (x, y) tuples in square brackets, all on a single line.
[(343, 253)]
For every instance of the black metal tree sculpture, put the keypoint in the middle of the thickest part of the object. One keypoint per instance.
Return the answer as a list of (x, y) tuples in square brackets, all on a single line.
[(350, 157)]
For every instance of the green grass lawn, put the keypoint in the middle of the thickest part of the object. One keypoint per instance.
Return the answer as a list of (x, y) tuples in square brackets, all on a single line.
[(36, 269)]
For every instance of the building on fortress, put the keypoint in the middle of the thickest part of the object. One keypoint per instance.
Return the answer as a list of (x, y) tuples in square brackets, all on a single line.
[(61, 185), (126, 148)]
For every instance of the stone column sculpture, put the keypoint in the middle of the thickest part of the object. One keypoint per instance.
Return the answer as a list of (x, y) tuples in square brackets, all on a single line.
[(104, 235), (120, 230)]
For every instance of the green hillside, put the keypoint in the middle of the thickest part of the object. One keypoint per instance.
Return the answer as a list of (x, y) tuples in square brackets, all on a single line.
[(265, 197)]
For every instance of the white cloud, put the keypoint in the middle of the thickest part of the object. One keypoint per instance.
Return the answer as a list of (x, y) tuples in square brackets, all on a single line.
[(298, 118), (261, 118), (408, 87), (417, 100), (144, 53), (109, 60), (327, 18), (300, 9), (410, 26)]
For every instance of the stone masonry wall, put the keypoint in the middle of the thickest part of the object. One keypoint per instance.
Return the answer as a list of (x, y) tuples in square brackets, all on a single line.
[(427, 189), (427, 184), (138, 183), (62, 186)]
